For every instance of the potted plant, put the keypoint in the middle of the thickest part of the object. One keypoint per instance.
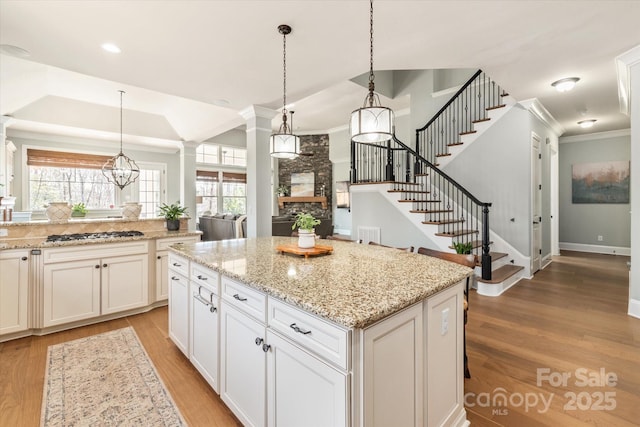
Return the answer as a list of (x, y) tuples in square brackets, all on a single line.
[(305, 224), (172, 214), (282, 191), (78, 210), (462, 247)]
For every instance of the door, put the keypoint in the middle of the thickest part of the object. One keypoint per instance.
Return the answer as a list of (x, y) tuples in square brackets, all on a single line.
[(204, 333), (536, 214), (124, 283), (179, 311), (14, 284), (162, 276), (303, 391), (243, 367), (71, 291)]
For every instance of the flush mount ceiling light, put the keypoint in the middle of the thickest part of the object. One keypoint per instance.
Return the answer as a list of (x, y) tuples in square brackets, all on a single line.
[(284, 144), (565, 85), (110, 47), (121, 170), (586, 123), (372, 123)]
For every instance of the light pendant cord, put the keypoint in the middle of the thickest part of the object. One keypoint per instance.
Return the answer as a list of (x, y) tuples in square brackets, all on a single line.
[(121, 93), (284, 30), (371, 75)]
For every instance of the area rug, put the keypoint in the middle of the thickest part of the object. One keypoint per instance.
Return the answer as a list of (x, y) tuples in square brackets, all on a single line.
[(105, 380)]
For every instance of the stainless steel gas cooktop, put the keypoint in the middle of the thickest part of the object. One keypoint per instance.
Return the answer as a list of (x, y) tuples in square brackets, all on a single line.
[(91, 236)]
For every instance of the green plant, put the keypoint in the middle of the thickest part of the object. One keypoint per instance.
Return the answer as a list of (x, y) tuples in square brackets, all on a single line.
[(173, 211), (305, 221), (79, 208), (463, 247), (282, 190)]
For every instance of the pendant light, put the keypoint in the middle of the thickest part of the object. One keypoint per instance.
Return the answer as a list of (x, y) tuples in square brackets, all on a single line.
[(372, 123), (121, 170), (284, 144)]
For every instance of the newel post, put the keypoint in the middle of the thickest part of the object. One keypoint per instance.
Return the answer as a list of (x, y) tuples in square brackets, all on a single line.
[(486, 256)]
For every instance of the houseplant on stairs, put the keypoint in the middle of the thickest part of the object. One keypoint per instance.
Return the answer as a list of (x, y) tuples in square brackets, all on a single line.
[(306, 232), (172, 214)]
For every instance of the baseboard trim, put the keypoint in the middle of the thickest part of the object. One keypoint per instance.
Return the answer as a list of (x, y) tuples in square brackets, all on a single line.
[(634, 308), (598, 249)]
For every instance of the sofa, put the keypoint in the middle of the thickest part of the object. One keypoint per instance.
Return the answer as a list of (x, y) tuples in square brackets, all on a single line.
[(222, 226), (281, 226)]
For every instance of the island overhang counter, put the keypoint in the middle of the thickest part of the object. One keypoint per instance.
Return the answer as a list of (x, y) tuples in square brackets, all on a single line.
[(375, 333)]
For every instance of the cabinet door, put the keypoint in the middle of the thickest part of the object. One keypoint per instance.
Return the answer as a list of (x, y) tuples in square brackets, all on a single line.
[(243, 366), (204, 333), (179, 311), (124, 283), (71, 291), (162, 276), (14, 285), (303, 391)]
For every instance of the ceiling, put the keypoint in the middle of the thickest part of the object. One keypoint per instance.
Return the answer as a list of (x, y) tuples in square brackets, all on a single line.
[(188, 67)]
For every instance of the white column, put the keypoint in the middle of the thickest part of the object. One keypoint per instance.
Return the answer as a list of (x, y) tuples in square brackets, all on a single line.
[(259, 194), (188, 180), (4, 179), (629, 91)]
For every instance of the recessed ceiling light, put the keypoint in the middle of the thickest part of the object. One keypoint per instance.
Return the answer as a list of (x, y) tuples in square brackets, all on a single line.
[(565, 85), (586, 123), (12, 50), (111, 47)]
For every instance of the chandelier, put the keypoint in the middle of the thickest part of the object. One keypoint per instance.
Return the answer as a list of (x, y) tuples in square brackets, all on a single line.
[(372, 123), (284, 144), (121, 170)]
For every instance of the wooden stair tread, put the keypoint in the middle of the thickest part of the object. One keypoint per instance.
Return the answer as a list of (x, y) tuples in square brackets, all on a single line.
[(419, 201), (457, 233), (431, 211), (494, 257), (504, 94), (481, 120), (496, 107), (503, 273), (421, 174), (443, 155), (455, 144), (469, 132), (443, 222), (409, 191)]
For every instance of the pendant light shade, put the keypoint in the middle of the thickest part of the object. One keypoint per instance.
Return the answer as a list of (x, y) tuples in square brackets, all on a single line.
[(372, 123), (121, 170), (284, 144)]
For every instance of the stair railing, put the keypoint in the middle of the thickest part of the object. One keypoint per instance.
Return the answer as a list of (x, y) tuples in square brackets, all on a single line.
[(433, 193), (467, 106)]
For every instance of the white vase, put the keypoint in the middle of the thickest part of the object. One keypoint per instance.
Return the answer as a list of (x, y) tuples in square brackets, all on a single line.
[(131, 210), (306, 239), (58, 212)]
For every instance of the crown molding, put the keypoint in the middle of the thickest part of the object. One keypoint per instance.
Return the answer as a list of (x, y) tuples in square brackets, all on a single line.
[(595, 136), (624, 62), (538, 110)]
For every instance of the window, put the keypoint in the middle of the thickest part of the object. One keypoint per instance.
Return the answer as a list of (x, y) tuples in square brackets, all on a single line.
[(207, 153), (234, 156), (150, 191), (234, 193), (207, 192), (71, 177)]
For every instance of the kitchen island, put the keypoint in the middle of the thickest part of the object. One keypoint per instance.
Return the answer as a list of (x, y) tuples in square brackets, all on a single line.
[(363, 336)]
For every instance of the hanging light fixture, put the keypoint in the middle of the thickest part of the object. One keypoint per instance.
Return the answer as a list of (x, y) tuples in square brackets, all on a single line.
[(372, 123), (121, 170), (284, 144)]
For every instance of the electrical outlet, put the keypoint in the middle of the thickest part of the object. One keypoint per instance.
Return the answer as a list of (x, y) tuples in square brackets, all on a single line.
[(444, 326), (4, 232), (600, 238)]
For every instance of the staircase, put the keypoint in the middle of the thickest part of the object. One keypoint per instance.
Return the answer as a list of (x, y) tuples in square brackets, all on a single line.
[(414, 182)]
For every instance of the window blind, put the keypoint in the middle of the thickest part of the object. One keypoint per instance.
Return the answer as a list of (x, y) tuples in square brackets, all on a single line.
[(63, 159), (234, 177), (207, 176)]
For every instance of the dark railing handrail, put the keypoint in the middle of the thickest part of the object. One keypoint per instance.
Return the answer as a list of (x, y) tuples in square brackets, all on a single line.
[(441, 173), (450, 101)]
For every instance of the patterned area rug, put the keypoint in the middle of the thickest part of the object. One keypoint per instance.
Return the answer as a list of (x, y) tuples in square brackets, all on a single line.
[(105, 380)]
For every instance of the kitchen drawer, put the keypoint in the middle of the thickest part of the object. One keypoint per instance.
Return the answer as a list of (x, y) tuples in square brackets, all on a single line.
[(327, 340), (163, 244), (95, 251), (246, 299), (178, 264), (203, 276)]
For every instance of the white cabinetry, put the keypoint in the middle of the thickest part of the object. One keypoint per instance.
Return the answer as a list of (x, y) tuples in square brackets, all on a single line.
[(162, 263), (84, 282), (179, 302), (14, 286), (204, 323)]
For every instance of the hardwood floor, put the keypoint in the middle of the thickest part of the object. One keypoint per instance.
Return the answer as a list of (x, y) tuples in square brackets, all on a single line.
[(571, 315), (570, 319)]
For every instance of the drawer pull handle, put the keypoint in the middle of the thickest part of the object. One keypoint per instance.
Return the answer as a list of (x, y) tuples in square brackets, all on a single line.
[(175, 264), (259, 341), (174, 278), (298, 329), (105, 265), (239, 298), (24, 258), (265, 347), (97, 265), (202, 277)]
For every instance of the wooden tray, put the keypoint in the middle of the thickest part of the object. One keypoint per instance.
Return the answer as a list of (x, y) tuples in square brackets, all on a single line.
[(296, 250)]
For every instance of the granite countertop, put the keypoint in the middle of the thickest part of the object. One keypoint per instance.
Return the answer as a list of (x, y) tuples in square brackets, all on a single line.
[(354, 286), (41, 242)]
